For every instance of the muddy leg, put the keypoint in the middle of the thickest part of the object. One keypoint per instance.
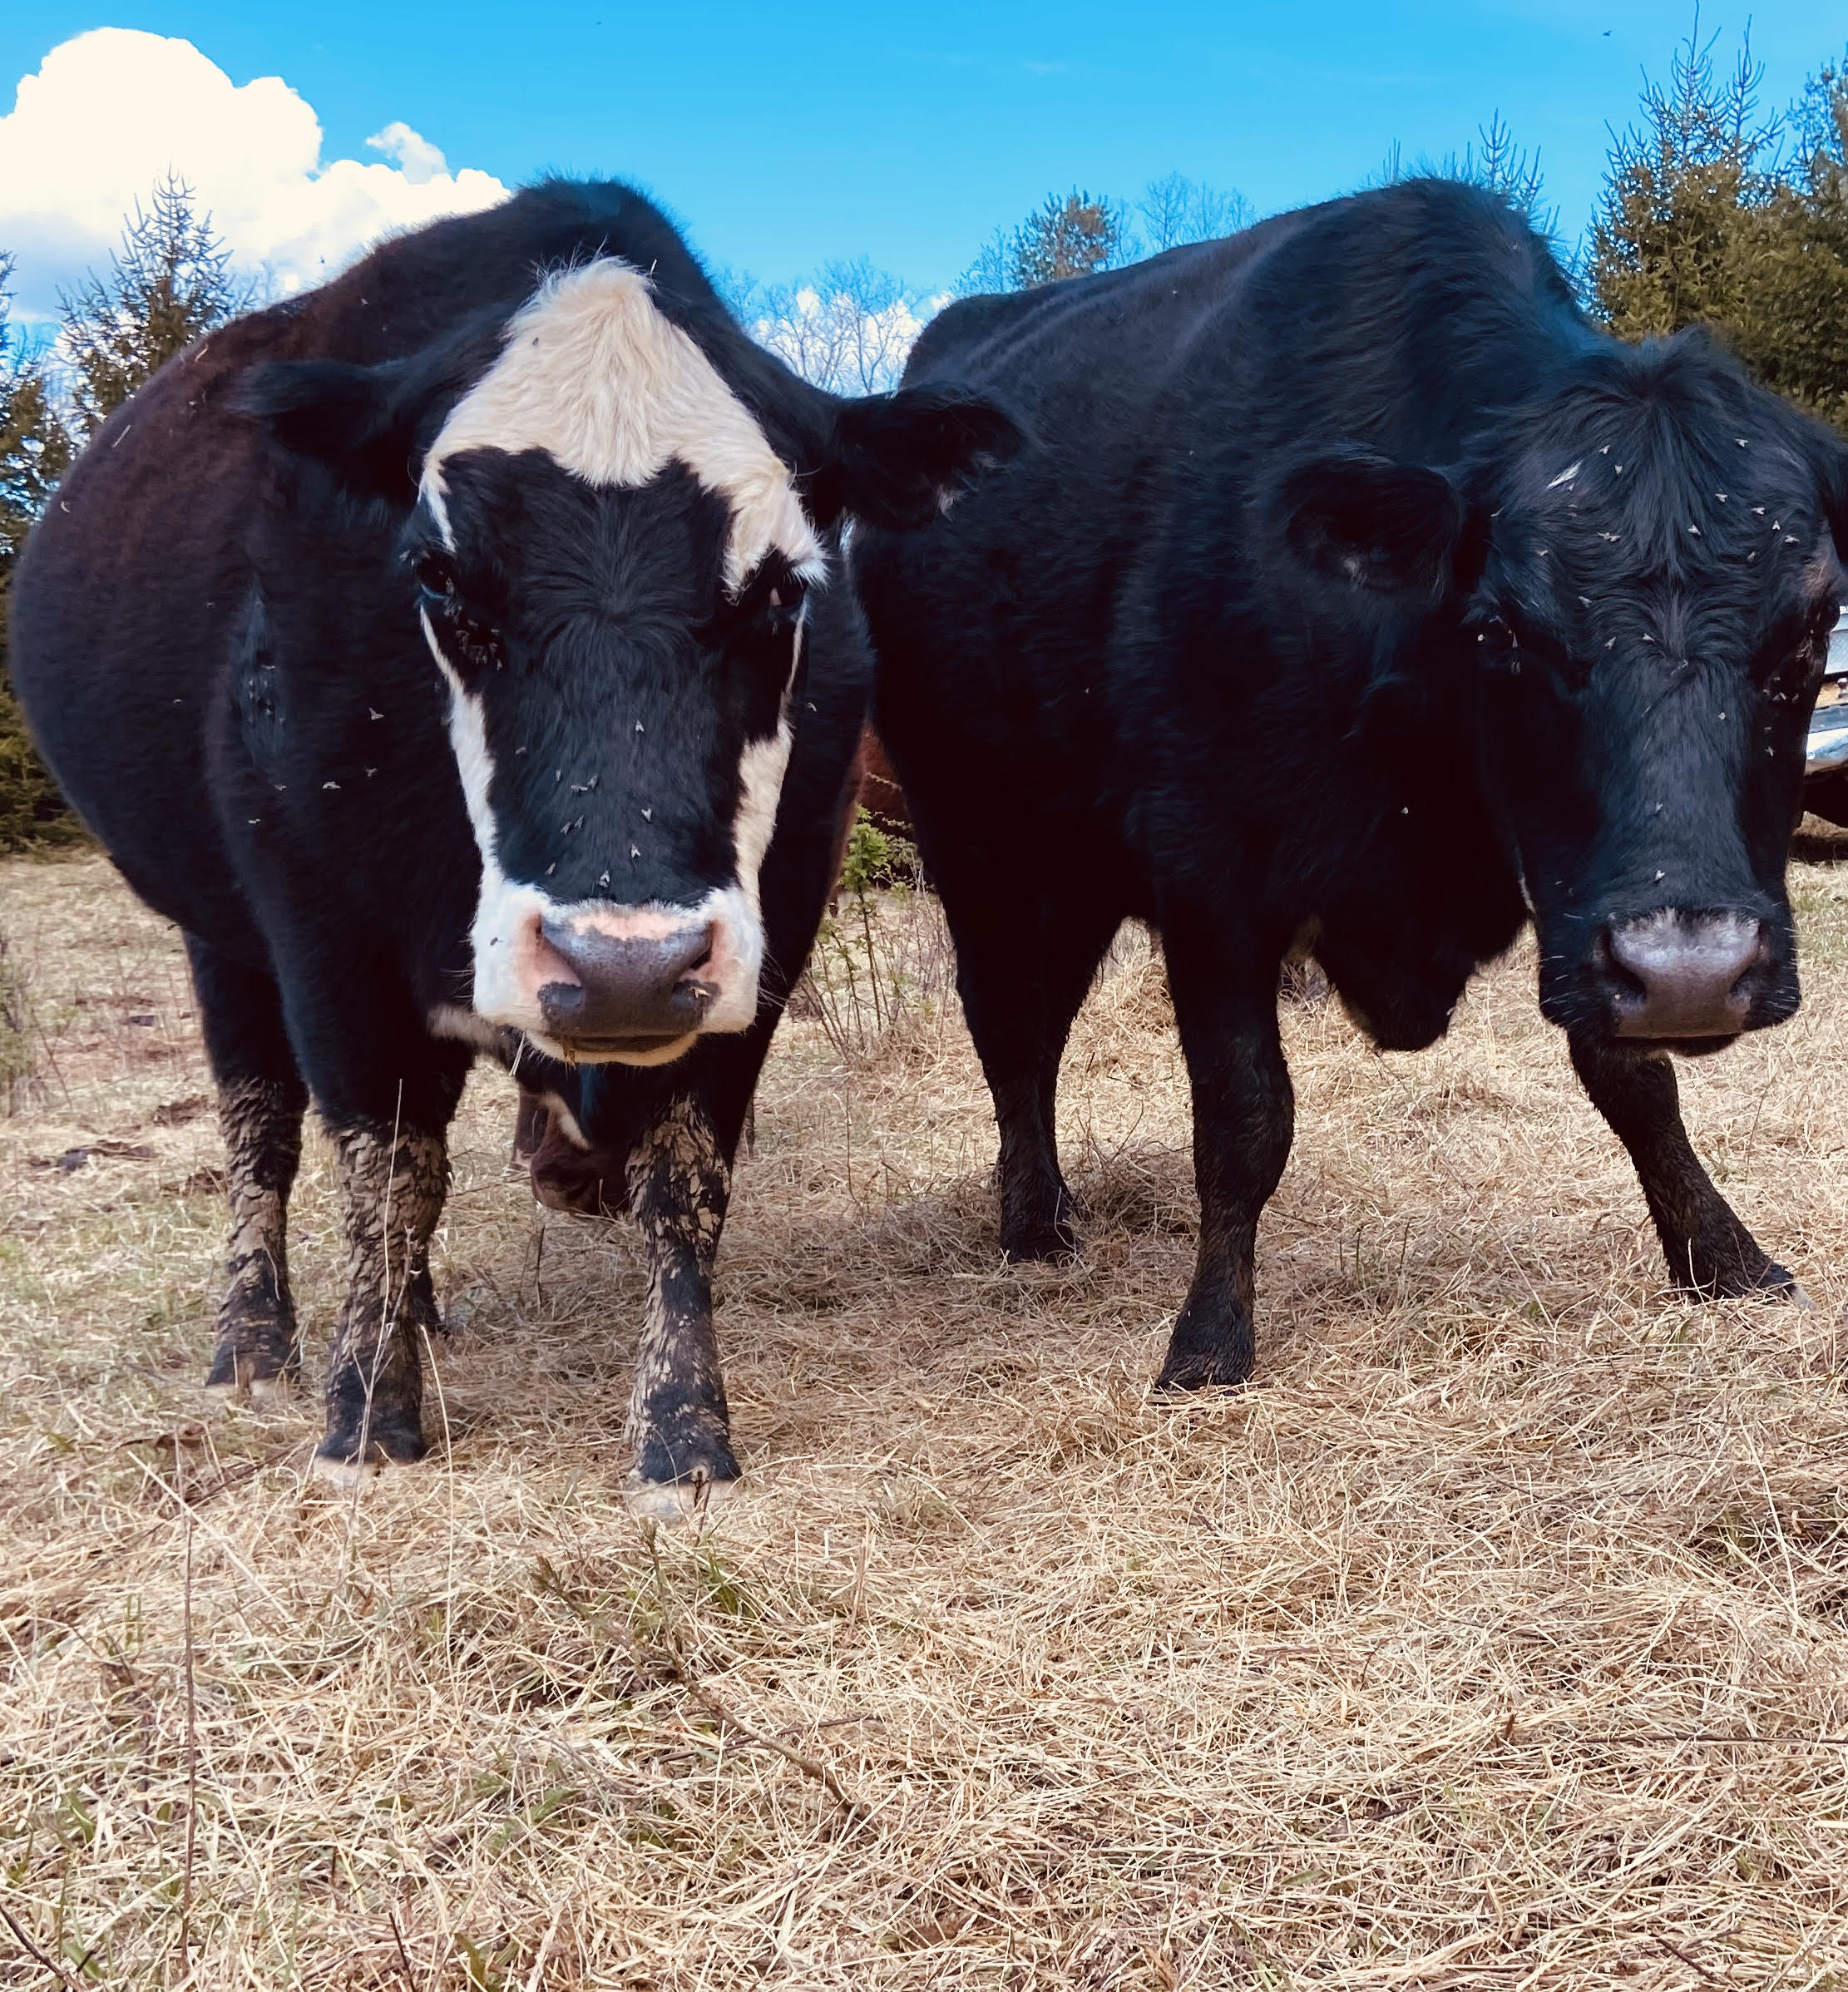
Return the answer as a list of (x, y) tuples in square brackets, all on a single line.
[(258, 1348), (392, 1187), (679, 1425), (261, 1100), (1709, 1250)]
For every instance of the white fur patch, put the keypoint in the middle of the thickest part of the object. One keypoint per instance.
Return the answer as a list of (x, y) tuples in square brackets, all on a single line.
[(469, 741), (760, 775), (613, 390), (760, 772)]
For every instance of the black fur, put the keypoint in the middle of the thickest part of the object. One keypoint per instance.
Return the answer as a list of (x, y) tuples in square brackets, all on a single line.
[(1290, 624), (214, 632)]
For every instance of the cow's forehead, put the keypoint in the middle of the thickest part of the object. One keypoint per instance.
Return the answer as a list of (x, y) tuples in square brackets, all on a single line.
[(1632, 498), (594, 373)]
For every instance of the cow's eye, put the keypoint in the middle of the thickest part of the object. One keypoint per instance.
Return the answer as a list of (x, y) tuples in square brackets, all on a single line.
[(435, 577)]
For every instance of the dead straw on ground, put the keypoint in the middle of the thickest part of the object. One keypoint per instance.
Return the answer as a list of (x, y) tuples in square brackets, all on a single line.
[(1497, 1636)]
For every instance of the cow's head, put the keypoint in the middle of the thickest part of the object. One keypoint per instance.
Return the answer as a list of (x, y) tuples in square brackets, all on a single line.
[(608, 542), (1634, 586)]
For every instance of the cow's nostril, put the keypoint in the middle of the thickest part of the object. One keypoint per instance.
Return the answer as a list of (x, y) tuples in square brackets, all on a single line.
[(1684, 976), (561, 999)]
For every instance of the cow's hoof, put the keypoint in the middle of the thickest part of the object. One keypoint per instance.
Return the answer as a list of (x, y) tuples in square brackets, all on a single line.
[(676, 1503), (1777, 1282), (1198, 1360), (1049, 1240), (1039, 1247), (691, 1447), (683, 1463), (1201, 1372), (1040, 1225), (339, 1462), (278, 1392), (1766, 1280), (265, 1371)]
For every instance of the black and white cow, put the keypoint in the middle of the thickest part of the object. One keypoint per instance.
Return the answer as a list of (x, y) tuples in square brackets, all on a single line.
[(1356, 593), (594, 839)]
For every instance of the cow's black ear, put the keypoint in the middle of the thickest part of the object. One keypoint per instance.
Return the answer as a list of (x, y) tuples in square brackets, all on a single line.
[(360, 422), (371, 426), (1375, 522), (901, 459)]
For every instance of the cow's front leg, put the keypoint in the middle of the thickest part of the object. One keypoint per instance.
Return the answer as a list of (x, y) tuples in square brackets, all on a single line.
[(1709, 1252), (679, 1426), (257, 1349), (392, 1187), (1244, 1117)]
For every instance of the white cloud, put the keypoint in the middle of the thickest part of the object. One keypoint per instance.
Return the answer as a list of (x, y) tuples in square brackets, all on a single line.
[(110, 112), (418, 160)]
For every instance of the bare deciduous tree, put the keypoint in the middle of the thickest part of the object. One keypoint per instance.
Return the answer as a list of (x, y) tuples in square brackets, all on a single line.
[(850, 329), (1176, 210)]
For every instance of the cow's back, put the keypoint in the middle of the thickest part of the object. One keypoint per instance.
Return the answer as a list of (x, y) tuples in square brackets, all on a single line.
[(1104, 374), (1159, 400), (1027, 576), (1328, 321)]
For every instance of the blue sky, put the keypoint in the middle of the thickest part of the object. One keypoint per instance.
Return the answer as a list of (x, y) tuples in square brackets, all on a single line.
[(783, 137)]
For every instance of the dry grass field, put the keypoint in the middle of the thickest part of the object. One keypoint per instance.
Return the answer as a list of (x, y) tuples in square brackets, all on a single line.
[(1498, 1636)]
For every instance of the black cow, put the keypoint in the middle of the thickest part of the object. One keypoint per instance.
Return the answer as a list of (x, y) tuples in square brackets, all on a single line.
[(537, 432), (1355, 592)]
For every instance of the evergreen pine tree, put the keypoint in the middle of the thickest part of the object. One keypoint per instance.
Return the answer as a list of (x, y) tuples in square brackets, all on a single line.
[(34, 450), (169, 282), (1708, 219), (1797, 336), (1681, 200), (1071, 235)]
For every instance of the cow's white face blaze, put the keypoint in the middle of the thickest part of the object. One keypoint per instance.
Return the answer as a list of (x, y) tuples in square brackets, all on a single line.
[(613, 560)]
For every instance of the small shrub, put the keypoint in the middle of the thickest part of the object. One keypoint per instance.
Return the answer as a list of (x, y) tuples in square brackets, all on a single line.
[(883, 950)]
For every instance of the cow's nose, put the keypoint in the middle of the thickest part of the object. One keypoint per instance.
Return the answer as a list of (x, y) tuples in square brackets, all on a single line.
[(1685, 975), (628, 990)]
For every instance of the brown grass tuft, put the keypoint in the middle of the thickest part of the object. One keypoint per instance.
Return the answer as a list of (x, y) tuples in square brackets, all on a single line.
[(1498, 1636)]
